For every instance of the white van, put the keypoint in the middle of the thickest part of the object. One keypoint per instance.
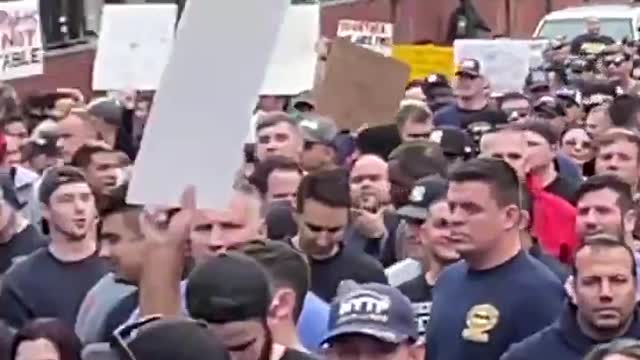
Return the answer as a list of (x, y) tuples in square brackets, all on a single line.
[(618, 21)]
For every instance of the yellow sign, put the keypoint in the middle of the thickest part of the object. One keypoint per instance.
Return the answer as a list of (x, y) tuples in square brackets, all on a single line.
[(426, 59)]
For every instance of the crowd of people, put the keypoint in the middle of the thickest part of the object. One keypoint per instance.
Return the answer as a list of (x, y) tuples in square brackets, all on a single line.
[(475, 225)]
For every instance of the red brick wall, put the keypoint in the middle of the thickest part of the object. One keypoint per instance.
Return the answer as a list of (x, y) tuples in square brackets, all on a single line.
[(71, 69), (428, 19)]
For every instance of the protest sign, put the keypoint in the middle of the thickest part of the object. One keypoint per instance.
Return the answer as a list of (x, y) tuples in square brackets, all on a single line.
[(200, 118), (293, 61), (426, 59), (361, 86), (504, 62), (21, 40), (134, 46), (376, 36)]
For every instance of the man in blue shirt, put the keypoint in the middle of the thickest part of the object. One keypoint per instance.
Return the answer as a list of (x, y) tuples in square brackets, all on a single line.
[(469, 89), (499, 294)]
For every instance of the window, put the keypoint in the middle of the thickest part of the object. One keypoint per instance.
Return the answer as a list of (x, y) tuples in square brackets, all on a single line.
[(617, 28)]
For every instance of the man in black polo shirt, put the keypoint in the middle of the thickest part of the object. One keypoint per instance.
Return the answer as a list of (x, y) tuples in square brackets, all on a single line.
[(499, 294)]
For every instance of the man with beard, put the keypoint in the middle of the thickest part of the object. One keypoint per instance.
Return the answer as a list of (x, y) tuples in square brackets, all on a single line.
[(429, 211), (372, 226), (69, 267), (602, 308), (233, 295), (605, 206)]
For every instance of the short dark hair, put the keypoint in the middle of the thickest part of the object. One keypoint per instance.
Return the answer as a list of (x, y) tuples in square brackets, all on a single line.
[(538, 127), (605, 241), (54, 330), (611, 182), (329, 187), (116, 203), (286, 267), (413, 113), (275, 118), (56, 177), (82, 157), (260, 176), (623, 110), (496, 173)]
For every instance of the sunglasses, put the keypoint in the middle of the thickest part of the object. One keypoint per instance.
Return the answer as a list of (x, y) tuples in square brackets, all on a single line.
[(122, 337), (617, 62)]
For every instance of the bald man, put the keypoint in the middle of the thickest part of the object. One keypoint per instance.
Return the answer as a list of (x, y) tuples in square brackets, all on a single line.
[(508, 145), (373, 223), (76, 129)]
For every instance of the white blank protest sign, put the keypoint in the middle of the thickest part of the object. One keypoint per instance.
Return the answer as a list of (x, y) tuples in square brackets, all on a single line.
[(134, 46), (293, 61), (199, 119), (504, 62)]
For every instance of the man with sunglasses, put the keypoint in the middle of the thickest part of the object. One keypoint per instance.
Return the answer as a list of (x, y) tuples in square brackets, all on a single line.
[(319, 150), (516, 105), (469, 89), (323, 211), (372, 321), (617, 62)]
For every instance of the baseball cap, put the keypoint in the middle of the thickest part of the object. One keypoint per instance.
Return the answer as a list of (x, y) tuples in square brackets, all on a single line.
[(418, 159), (55, 177), (548, 107), (454, 141), (536, 79), (108, 109), (434, 81), (469, 67), (424, 193), (226, 288), (170, 339), (374, 310), (379, 140), (318, 129), (304, 99)]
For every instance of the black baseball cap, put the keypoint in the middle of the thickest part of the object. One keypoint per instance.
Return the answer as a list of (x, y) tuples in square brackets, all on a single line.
[(374, 310), (549, 107), (163, 339), (454, 141), (226, 288), (424, 193), (435, 81), (470, 67)]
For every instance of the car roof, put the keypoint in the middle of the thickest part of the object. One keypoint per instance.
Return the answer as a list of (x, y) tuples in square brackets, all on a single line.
[(600, 11)]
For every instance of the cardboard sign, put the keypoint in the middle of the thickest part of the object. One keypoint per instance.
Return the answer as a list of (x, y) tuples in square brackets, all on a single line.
[(134, 46), (376, 36), (504, 62), (21, 50), (292, 66), (199, 119), (361, 86), (426, 60)]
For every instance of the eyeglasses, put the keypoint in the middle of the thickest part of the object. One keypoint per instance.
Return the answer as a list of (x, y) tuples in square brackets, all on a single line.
[(123, 336)]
